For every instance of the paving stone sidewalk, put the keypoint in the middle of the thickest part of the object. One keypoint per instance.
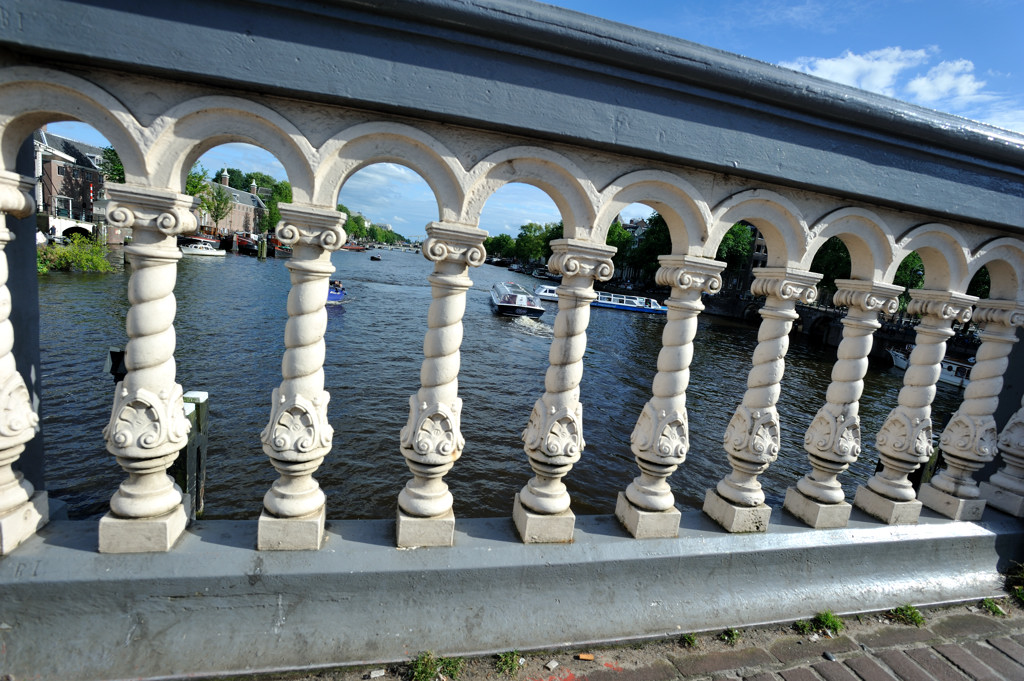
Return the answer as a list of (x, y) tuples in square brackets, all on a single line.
[(958, 643)]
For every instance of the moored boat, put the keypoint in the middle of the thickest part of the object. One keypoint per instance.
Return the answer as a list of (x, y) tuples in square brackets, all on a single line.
[(511, 299), (247, 243), (200, 248), (954, 371), (546, 292), (619, 301), (353, 247)]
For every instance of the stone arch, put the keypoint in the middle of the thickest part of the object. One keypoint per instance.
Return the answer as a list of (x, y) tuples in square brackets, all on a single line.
[(382, 142), (942, 251), (31, 97), (685, 211), (776, 217), (865, 235), (188, 130), (1004, 258), (550, 172)]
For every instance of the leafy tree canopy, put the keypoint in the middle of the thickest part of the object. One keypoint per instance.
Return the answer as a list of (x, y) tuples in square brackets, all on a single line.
[(500, 245), (111, 166), (216, 202), (736, 247), (195, 183), (621, 239), (832, 261)]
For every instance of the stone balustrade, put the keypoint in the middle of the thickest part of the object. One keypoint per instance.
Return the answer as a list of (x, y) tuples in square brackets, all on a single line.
[(889, 180)]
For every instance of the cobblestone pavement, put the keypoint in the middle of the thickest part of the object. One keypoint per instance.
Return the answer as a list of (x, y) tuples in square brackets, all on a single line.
[(958, 643)]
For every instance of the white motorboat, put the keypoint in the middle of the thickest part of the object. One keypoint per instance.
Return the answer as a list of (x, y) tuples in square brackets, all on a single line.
[(200, 248), (954, 371), (546, 292), (618, 301), (510, 298)]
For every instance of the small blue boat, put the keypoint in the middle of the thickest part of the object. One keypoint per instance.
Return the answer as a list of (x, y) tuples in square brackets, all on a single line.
[(335, 292)]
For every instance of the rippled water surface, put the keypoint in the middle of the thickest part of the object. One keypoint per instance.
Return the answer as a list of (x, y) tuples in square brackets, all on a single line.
[(230, 330)]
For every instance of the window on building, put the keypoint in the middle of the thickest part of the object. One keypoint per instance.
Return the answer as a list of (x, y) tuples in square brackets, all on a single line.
[(60, 170), (74, 173)]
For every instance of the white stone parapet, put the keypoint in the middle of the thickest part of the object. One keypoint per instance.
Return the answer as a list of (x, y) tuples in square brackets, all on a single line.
[(833, 439), (431, 440), (660, 439), (553, 438), (23, 510), (752, 437), (298, 436), (904, 441), (147, 426)]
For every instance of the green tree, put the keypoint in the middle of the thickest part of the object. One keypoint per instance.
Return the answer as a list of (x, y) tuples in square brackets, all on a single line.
[(621, 239), (216, 202), (832, 261), (909, 275), (530, 242), (654, 242), (500, 245), (736, 247), (280, 193), (236, 178), (111, 166), (261, 180), (552, 231), (195, 183), (981, 284), (81, 254)]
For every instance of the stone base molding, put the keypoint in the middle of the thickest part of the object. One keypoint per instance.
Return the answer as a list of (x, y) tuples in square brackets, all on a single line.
[(142, 535), (885, 509), (1004, 500), (546, 528), (950, 505), (814, 513), (644, 524), (413, 531), (735, 518), (21, 522), (303, 533)]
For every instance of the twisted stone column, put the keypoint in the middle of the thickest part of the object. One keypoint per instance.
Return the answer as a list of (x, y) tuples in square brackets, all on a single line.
[(904, 441), (23, 510), (752, 436), (1005, 489), (969, 440), (661, 438), (147, 425), (833, 439), (553, 439), (431, 440), (298, 436)]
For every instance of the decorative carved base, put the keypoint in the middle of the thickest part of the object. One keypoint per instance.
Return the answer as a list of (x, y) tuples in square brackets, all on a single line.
[(736, 518), (816, 514), (305, 533), (1000, 499), (949, 505), (647, 524), (885, 509), (413, 531), (21, 522), (536, 528), (142, 535)]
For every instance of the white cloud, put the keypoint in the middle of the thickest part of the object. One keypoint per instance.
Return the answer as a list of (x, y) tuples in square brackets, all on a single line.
[(876, 71), (950, 80)]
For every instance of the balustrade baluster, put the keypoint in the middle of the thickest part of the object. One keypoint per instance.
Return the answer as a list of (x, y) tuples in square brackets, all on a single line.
[(147, 425), (833, 439), (431, 441), (553, 438), (298, 436), (1005, 489), (904, 441), (23, 510), (752, 436), (661, 439), (969, 440)]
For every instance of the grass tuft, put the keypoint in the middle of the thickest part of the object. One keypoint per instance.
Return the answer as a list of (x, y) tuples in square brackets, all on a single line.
[(906, 614), (688, 641), (993, 607), (508, 663), (730, 636), (828, 621), (426, 667)]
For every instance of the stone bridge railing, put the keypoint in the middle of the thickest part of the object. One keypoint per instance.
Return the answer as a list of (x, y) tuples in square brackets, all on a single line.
[(473, 96)]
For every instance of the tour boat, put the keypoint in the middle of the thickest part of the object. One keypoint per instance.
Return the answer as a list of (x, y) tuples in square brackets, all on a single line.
[(618, 301), (200, 248), (954, 371), (546, 292), (510, 298), (335, 292), (353, 247)]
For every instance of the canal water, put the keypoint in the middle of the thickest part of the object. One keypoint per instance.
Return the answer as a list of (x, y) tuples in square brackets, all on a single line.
[(230, 328)]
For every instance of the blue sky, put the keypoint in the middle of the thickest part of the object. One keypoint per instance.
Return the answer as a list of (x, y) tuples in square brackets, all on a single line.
[(963, 57)]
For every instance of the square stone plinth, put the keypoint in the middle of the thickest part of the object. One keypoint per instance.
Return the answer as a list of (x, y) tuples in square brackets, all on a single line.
[(538, 528), (438, 530), (647, 524), (885, 509), (816, 514), (21, 522), (305, 533), (141, 535), (1001, 499), (736, 518), (950, 506)]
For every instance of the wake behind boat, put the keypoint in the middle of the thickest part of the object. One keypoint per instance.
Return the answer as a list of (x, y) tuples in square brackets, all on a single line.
[(511, 299)]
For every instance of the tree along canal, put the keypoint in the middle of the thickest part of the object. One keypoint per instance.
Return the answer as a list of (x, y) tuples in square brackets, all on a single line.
[(230, 330)]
